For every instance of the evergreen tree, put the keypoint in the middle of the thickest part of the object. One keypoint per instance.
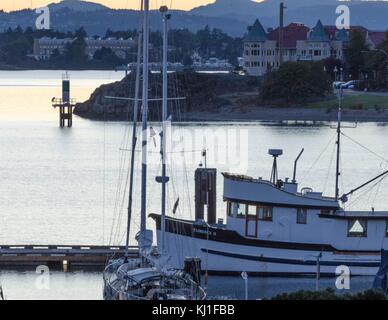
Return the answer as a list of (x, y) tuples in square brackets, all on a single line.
[(296, 82), (354, 53)]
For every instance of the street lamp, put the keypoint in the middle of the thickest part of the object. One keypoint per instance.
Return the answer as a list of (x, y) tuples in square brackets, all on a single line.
[(318, 268), (335, 72), (244, 275)]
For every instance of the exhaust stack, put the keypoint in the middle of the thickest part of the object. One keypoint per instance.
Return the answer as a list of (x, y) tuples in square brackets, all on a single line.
[(206, 194)]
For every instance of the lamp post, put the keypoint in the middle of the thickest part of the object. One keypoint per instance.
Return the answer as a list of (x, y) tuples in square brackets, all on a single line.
[(335, 73), (318, 268), (244, 275)]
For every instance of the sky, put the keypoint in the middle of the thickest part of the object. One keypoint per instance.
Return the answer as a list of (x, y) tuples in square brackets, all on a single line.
[(11, 5)]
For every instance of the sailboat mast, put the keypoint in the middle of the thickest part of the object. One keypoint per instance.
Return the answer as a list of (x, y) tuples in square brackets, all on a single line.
[(166, 16), (337, 171), (134, 135), (144, 116)]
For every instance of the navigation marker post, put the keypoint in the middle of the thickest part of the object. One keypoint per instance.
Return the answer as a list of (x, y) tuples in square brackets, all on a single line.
[(65, 104)]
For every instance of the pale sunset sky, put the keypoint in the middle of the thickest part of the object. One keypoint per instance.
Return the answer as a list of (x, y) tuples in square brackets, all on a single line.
[(11, 5)]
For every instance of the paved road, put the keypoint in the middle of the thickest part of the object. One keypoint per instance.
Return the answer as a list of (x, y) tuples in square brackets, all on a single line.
[(353, 92)]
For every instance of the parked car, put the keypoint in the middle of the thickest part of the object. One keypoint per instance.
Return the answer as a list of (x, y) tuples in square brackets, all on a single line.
[(349, 84), (337, 84)]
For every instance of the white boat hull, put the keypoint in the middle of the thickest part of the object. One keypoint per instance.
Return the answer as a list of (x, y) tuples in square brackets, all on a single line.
[(221, 257)]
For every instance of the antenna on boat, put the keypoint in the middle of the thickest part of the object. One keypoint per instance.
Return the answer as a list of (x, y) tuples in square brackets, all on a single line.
[(275, 153), (338, 142)]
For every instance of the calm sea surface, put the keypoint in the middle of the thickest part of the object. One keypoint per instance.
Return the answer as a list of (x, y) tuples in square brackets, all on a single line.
[(68, 186)]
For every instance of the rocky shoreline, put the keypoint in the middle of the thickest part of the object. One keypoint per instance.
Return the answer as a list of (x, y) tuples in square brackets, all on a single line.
[(290, 114), (210, 97), (202, 93)]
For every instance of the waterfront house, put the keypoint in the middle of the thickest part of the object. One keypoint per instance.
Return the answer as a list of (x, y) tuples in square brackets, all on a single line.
[(262, 50)]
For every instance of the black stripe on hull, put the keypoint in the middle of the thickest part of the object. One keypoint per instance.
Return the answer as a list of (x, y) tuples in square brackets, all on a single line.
[(271, 274), (292, 261), (189, 229)]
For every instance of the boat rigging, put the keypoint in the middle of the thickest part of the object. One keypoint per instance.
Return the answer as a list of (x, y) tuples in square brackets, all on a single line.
[(344, 197), (150, 277)]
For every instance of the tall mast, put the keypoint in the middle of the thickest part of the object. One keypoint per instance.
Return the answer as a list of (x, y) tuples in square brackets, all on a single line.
[(144, 117), (164, 180), (134, 134), (337, 171)]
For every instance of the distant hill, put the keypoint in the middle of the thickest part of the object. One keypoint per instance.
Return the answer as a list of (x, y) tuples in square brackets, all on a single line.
[(371, 14), (77, 5), (247, 8), (97, 22), (232, 16)]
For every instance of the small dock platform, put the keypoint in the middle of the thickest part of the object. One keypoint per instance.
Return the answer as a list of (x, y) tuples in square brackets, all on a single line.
[(61, 257)]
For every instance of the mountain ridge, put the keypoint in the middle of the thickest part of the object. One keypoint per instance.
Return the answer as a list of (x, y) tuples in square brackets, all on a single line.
[(77, 5), (227, 15)]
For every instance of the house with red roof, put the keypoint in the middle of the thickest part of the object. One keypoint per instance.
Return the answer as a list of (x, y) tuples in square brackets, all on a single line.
[(299, 43)]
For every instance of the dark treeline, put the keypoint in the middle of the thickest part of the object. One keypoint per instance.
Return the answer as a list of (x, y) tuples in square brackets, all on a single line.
[(16, 48), (365, 63)]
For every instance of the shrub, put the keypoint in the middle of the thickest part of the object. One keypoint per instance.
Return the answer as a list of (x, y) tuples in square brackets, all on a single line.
[(296, 82), (329, 294)]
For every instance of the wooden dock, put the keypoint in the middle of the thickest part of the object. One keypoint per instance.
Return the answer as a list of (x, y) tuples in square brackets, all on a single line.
[(60, 257)]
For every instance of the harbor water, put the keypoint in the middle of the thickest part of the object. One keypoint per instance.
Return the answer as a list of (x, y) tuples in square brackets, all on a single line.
[(68, 186)]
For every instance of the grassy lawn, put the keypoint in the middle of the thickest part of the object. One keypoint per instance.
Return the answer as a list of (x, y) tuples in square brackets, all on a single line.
[(354, 101)]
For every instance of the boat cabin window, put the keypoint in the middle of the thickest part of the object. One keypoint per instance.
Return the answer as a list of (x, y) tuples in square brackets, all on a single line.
[(236, 210), (233, 209), (301, 216), (357, 228), (252, 211), (265, 213), (327, 212), (241, 210)]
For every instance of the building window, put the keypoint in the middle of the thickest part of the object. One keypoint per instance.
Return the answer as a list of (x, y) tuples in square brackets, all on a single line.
[(357, 228), (317, 53), (265, 213), (301, 216)]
